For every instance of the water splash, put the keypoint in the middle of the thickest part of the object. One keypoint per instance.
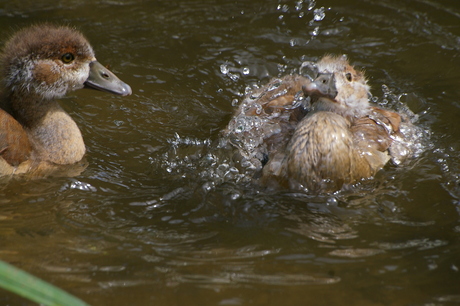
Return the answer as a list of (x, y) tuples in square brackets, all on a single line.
[(319, 14)]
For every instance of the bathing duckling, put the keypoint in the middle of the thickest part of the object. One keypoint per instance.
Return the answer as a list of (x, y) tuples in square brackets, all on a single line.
[(343, 139), (41, 64), (265, 121)]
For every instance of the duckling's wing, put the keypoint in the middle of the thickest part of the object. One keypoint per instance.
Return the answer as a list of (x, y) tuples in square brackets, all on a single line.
[(15, 146), (391, 119), (370, 134), (266, 118), (372, 138)]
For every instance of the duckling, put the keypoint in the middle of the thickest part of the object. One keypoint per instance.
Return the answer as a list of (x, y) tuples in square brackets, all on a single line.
[(265, 121), (343, 139), (41, 64)]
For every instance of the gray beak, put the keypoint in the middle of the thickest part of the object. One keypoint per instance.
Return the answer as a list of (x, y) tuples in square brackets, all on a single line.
[(322, 86), (101, 78)]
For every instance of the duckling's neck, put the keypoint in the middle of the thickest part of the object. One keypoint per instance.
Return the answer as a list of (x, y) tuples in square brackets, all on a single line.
[(324, 104), (55, 135)]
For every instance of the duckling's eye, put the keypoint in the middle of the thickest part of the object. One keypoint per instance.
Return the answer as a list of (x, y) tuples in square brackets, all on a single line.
[(348, 76), (67, 58)]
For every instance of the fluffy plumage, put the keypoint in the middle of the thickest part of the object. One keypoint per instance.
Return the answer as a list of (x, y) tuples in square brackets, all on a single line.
[(343, 139), (40, 64)]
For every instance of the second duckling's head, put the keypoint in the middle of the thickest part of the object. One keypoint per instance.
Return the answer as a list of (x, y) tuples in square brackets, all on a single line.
[(47, 61), (338, 87)]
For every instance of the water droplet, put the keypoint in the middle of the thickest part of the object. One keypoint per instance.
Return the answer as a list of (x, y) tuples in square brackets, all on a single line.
[(315, 31), (319, 14), (298, 5), (82, 186), (332, 201), (258, 109), (233, 76), (235, 196), (224, 69)]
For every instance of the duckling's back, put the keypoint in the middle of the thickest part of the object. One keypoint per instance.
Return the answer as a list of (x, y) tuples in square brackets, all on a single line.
[(326, 152)]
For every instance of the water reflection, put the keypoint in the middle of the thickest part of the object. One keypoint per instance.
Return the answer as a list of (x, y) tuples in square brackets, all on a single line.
[(161, 216)]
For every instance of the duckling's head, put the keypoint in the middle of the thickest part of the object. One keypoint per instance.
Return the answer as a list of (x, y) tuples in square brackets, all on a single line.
[(47, 61), (338, 87)]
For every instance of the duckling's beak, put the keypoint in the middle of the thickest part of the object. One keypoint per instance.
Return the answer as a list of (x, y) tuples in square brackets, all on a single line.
[(103, 79), (322, 86)]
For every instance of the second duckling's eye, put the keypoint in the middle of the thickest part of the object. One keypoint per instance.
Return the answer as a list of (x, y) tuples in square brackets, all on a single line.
[(67, 58), (348, 76)]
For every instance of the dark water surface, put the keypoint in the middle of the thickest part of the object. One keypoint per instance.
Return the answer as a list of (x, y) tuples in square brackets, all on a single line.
[(160, 217)]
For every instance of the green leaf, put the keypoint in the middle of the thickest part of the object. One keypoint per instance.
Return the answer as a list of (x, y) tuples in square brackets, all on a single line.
[(33, 288)]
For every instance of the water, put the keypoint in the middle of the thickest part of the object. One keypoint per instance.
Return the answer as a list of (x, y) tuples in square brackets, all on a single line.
[(161, 217)]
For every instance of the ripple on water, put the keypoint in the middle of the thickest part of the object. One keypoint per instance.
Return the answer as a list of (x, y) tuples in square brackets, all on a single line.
[(164, 213)]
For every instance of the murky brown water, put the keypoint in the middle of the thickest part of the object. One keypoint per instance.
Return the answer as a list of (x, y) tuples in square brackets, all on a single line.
[(160, 218)]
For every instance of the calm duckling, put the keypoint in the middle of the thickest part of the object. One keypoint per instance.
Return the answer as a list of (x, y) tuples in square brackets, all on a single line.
[(265, 121), (41, 64), (343, 139)]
